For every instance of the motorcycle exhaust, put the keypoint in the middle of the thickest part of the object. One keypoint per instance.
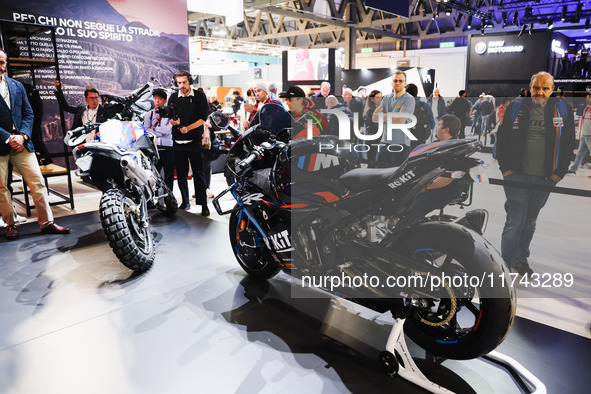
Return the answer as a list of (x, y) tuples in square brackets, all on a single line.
[(136, 174)]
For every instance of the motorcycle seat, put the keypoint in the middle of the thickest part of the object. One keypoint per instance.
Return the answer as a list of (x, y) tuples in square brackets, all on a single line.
[(361, 179)]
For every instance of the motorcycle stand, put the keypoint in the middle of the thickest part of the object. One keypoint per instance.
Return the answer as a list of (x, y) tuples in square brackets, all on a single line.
[(396, 360)]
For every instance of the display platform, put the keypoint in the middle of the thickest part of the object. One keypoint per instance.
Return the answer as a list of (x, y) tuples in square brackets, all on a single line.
[(74, 319)]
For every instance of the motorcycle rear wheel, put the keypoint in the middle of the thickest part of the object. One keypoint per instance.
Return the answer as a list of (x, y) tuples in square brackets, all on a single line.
[(481, 322), (132, 243), (255, 260)]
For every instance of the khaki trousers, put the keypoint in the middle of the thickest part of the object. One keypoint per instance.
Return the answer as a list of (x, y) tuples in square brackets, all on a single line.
[(26, 164)]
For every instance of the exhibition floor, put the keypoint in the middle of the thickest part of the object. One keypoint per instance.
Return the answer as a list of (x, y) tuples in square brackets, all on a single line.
[(76, 320)]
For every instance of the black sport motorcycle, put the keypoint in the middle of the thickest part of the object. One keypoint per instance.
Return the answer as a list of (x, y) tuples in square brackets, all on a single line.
[(119, 157), (306, 207)]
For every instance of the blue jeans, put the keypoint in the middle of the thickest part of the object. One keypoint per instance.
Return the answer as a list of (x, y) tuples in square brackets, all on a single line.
[(522, 206), (582, 152), (476, 123), (483, 121)]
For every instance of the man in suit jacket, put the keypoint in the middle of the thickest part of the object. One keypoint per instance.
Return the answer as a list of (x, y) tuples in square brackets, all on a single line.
[(16, 124), (91, 111)]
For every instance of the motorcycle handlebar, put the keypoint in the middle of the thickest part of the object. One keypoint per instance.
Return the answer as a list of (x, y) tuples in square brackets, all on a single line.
[(235, 133), (254, 155), (72, 137), (142, 90)]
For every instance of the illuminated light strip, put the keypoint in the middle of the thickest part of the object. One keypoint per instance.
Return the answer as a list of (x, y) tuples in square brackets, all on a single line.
[(295, 206)]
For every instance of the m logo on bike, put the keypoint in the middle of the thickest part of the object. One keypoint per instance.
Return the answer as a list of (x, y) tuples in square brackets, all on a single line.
[(317, 161)]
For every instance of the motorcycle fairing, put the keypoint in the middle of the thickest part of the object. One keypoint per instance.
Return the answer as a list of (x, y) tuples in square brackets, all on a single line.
[(120, 133), (277, 235)]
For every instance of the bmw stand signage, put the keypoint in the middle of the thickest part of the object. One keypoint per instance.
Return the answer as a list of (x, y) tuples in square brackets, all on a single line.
[(496, 47), (507, 56)]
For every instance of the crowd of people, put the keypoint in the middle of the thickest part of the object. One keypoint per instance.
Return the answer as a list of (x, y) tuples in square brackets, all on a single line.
[(534, 148)]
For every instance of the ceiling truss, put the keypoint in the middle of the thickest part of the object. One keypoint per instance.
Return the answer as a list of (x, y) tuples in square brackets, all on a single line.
[(329, 23)]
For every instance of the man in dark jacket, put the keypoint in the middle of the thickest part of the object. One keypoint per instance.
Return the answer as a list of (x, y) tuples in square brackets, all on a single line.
[(461, 107), (534, 146), (192, 108), (91, 111)]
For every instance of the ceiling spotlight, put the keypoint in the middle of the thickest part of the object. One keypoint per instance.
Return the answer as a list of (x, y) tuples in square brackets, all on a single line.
[(458, 20), (448, 10), (418, 6), (528, 12), (504, 18), (531, 27), (469, 21), (563, 17), (577, 17), (550, 24), (482, 27), (515, 15), (436, 13), (522, 31)]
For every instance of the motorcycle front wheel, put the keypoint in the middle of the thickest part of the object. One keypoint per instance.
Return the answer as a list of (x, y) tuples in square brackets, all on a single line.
[(470, 323), (131, 241), (248, 247)]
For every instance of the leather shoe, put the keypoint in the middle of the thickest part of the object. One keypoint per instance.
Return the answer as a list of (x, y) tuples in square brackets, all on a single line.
[(185, 207), (55, 229), (523, 269), (204, 210), (12, 233)]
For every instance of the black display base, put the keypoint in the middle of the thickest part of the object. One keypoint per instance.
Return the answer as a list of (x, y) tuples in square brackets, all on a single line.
[(221, 316)]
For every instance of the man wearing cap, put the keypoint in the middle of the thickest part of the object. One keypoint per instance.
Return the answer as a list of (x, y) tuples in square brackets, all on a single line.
[(301, 109), (262, 96), (162, 128)]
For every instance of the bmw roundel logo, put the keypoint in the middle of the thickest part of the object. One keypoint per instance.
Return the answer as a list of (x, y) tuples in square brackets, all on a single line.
[(480, 48)]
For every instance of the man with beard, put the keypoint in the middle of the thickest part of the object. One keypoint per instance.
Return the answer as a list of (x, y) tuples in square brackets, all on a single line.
[(192, 109), (534, 146)]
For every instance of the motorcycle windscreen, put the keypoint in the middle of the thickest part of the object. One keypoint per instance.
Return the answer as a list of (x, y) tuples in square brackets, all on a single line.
[(120, 133), (274, 117)]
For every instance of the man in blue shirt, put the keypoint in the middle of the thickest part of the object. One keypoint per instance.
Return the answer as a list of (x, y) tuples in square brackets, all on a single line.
[(397, 148)]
